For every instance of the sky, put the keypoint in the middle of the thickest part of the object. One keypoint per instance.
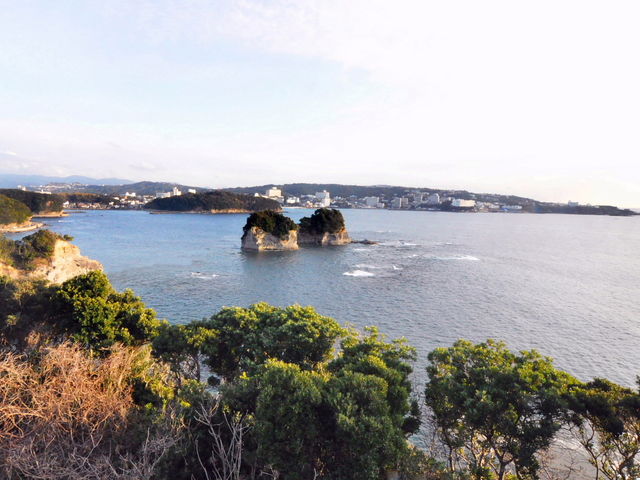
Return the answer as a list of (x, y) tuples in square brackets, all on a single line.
[(540, 99)]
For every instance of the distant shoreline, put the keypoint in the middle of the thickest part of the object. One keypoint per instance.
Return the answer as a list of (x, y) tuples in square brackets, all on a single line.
[(13, 228)]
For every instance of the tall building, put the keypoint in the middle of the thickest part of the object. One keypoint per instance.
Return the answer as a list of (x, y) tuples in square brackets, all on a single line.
[(324, 198), (371, 201), (273, 192), (433, 199)]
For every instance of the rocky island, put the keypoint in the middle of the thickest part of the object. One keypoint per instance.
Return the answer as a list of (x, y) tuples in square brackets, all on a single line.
[(43, 255), (215, 201), (269, 230), (325, 227)]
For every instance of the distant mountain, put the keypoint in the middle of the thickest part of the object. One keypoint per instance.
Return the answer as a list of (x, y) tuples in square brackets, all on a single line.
[(8, 180)]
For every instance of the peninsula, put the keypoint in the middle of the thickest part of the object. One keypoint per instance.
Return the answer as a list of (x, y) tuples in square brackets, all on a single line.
[(43, 255)]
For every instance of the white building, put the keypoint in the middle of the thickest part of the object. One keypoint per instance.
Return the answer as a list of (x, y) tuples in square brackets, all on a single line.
[(163, 194), (292, 200), (175, 192), (323, 198), (129, 194), (400, 202), (460, 203), (371, 201), (192, 190), (433, 199), (273, 192)]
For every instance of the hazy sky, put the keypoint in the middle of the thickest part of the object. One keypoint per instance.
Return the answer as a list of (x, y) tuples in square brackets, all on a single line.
[(538, 98)]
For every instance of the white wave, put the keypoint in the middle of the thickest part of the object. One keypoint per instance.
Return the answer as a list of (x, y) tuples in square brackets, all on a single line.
[(399, 244), (470, 258), (359, 273), (203, 276)]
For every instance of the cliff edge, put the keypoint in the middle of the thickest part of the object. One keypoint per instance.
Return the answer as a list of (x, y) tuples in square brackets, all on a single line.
[(257, 239), (65, 262), (326, 238)]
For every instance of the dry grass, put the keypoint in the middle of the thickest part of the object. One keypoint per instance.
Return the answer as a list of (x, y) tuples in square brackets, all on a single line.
[(63, 415)]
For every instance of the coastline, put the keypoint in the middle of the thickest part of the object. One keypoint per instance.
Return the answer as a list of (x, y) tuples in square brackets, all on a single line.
[(13, 228), (59, 214), (202, 212)]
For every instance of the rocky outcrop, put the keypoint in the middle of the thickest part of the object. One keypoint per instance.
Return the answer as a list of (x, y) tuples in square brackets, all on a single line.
[(257, 239), (65, 263), (323, 239)]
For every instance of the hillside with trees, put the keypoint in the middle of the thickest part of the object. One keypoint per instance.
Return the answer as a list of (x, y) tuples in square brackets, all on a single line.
[(213, 201), (13, 211), (38, 203)]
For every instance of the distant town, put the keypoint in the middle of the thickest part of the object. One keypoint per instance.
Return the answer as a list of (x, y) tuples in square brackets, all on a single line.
[(137, 195)]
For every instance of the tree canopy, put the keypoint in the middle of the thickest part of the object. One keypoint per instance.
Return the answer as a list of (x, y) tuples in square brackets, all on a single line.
[(323, 220), (495, 409), (271, 222)]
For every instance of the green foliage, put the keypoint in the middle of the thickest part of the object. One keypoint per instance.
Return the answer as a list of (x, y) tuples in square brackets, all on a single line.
[(323, 220), (13, 211), (38, 203), (23, 253), (214, 200), (22, 303), (180, 347), (89, 309), (248, 337), (496, 407), (607, 417), (271, 222), (345, 417)]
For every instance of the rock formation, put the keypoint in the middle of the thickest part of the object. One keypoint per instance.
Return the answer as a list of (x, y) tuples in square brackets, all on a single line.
[(257, 239), (65, 263), (323, 239)]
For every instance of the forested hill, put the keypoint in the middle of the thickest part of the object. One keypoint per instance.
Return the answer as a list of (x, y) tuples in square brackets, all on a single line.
[(384, 191), (213, 201), (38, 203), (140, 188)]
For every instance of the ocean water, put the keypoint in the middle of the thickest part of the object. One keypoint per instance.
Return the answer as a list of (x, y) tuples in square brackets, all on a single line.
[(568, 286)]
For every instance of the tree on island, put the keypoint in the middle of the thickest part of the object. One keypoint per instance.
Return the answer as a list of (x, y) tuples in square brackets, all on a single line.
[(212, 201), (271, 222), (323, 220)]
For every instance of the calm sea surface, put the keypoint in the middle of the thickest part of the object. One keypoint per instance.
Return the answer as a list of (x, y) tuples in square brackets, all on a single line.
[(566, 285)]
